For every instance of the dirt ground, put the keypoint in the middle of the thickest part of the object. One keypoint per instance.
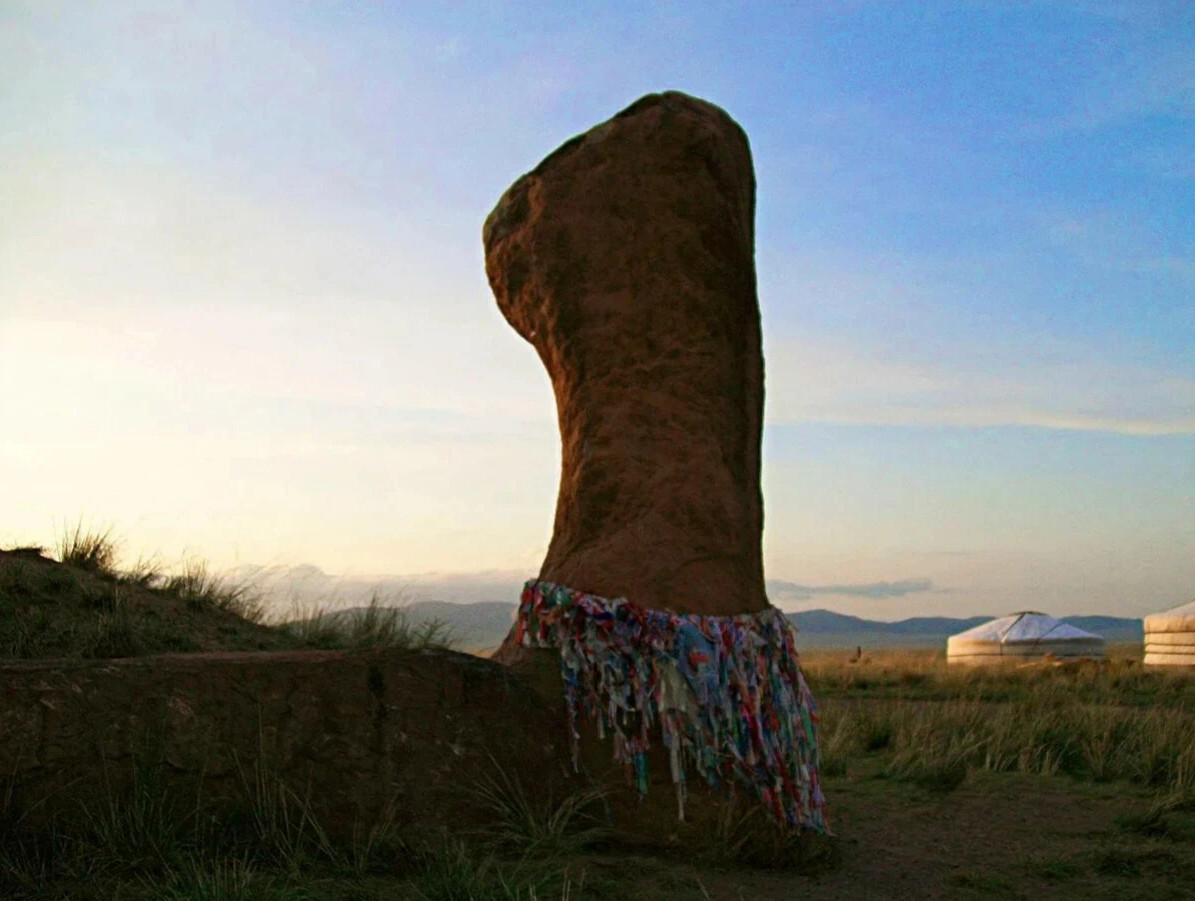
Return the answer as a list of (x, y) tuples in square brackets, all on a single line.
[(998, 836), (1006, 836)]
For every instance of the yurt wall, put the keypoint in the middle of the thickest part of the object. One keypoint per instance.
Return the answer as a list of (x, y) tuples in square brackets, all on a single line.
[(1170, 637)]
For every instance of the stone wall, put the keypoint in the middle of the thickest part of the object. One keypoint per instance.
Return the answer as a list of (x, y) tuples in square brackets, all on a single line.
[(349, 732)]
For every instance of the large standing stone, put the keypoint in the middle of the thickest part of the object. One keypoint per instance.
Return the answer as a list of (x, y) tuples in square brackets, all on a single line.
[(627, 259)]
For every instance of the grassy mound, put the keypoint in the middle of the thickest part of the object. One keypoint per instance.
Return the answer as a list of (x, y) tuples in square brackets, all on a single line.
[(79, 603)]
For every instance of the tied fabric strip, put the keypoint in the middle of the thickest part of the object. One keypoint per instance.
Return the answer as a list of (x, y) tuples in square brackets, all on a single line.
[(727, 692)]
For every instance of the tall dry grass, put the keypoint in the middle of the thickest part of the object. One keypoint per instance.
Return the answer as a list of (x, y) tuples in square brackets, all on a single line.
[(934, 723)]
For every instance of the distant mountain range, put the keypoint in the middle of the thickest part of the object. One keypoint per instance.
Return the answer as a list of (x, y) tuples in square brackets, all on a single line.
[(461, 602), (827, 629), (484, 625)]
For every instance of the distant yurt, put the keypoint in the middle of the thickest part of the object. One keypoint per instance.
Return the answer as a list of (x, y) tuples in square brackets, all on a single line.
[(1020, 637), (1170, 637)]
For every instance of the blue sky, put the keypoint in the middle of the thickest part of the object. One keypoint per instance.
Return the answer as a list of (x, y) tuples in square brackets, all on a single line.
[(243, 312)]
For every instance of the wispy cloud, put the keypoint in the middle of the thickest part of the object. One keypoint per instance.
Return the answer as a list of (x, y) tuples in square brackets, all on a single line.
[(287, 587), (1102, 239), (818, 381), (1171, 163), (307, 584), (1161, 82), (792, 591)]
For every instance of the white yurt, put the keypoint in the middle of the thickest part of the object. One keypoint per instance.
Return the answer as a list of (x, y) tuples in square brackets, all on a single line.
[(1170, 637), (1020, 637)]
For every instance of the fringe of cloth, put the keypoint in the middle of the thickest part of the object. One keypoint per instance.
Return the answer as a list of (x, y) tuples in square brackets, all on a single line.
[(726, 691)]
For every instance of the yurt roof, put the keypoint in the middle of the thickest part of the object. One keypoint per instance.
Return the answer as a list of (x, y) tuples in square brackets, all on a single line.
[(1027, 626), (1179, 619)]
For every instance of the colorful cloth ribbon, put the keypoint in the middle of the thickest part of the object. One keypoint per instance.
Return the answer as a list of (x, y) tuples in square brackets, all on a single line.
[(726, 691)]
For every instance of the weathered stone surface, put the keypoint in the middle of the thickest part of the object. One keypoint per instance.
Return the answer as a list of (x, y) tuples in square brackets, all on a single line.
[(351, 732), (627, 259)]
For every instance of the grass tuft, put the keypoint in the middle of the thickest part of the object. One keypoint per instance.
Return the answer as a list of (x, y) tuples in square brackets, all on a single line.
[(145, 573), (378, 625), (204, 592), (530, 824), (135, 829), (449, 870), (92, 550), (1167, 818), (198, 878), (283, 829), (744, 835)]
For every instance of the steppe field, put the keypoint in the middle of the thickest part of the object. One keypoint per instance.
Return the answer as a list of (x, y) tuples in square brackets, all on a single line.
[(1054, 781)]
